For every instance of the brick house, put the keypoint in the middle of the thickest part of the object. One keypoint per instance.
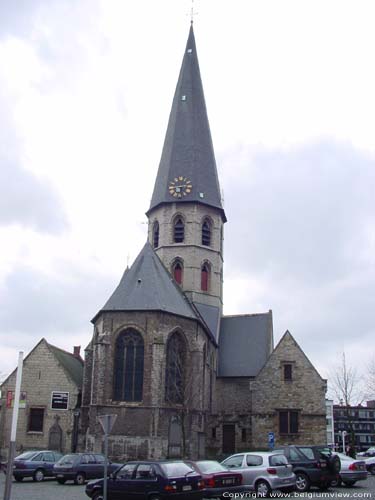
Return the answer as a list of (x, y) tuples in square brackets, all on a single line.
[(50, 395), (183, 379)]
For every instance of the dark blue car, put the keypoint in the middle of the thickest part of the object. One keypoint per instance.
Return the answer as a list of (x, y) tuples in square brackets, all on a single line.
[(150, 480), (79, 467), (35, 464)]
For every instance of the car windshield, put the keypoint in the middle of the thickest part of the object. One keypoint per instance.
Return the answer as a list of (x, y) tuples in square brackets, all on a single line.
[(67, 459), (210, 466), (26, 455), (176, 469)]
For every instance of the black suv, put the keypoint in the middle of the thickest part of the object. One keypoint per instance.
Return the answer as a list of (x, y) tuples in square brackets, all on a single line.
[(312, 465)]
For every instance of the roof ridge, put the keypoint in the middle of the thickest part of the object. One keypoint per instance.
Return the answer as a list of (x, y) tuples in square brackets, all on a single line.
[(65, 352)]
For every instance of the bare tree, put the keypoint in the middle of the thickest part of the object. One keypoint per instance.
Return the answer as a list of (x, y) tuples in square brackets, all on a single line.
[(370, 379), (345, 383)]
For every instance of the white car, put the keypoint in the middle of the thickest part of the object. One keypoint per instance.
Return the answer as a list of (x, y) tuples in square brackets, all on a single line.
[(352, 470), (368, 453), (370, 465)]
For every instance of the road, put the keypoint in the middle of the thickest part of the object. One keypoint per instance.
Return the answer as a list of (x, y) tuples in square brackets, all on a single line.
[(50, 490)]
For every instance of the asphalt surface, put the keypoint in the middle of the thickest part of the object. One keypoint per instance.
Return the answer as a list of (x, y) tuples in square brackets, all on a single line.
[(51, 490)]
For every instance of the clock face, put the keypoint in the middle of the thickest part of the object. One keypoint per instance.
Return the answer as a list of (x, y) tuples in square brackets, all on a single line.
[(180, 187)]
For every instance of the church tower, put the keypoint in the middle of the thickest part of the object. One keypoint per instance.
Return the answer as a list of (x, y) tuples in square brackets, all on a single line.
[(186, 215)]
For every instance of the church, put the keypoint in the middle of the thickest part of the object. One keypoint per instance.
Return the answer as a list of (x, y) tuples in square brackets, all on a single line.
[(183, 379)]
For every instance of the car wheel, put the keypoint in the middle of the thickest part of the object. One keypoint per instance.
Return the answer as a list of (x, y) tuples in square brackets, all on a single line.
[(18, 478), (80, 478), (38, 475), (336, 482), (371, 469), (262, 488), (349, 483), (334, 464), (302, 482), (61, 480), (98, 496)]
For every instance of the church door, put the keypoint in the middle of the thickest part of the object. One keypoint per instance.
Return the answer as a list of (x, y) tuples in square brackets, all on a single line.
[(174, 438), (229, 438), (55, 436)]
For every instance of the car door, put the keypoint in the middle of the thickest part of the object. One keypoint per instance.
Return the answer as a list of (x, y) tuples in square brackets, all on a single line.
[(121, 484), (253, 467), (48, 461), (145, 481)]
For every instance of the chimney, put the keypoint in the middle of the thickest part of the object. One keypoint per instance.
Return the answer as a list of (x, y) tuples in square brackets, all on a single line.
[(76, 351)]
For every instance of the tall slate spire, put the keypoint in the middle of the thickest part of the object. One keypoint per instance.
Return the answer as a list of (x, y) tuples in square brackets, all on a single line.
[(188, 160)]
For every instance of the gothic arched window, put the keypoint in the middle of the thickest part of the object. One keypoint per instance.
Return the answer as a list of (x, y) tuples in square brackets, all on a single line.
[(175, 369), (205, 277), (128, 373), (177, 271), (155, 234), (178, 230), (206, 233)]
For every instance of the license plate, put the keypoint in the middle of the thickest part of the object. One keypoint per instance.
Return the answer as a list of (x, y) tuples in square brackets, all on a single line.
[(59, 475), (186, 488), (228, 481)]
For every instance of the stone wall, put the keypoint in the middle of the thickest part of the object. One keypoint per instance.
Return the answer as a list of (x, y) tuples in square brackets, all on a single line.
[(41, 375), (305, 393)]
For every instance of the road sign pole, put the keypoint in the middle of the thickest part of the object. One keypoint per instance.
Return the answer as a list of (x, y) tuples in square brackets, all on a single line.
[(13, 432), (107, 422)]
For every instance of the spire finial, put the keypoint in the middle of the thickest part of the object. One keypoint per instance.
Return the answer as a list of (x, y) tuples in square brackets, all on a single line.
[(192, 13)]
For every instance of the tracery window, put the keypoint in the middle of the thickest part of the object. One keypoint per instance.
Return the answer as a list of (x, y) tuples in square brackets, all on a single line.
[(155, 234), (179, 230), (128, 373), (206, 233), (175, 369), (177, 271), (205, 277)]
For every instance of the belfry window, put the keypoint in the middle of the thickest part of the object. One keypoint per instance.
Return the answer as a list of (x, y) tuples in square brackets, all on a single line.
[(177, 271), (179, 230), (175, 369), (128, 373), (205, 277), (155, 234), (206, 233)]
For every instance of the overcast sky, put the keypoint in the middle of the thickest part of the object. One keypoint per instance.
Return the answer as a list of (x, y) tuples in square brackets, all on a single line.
[(85, 93)]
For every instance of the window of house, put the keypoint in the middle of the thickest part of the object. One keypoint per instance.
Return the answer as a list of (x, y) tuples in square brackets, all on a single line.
[(36, 419), (288, 372), (205, 277), (288, 422), (155, 234), (206, 233), (175, 369), (179, 230), (59, 400), (177, 272), (128, 372)]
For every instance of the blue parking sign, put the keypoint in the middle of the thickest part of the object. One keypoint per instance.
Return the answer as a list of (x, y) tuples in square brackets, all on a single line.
[(271, 440)]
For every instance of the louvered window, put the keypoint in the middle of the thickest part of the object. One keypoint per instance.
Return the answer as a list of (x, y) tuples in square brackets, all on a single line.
[(205, 277), (206, 233), (128, 373), (175, 369), (179, 230), (155, 236), (177, 272)]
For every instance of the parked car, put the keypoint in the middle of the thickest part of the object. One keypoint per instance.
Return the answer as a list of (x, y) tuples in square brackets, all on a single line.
[(263, 471), (370, 452), (351, 471), (145, 480), (37, 464), (370, 465), (217, 478), (312, 465), (79, 467)]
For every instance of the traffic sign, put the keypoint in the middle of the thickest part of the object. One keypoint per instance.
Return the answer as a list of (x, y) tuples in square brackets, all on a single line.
[(107, 422), (271, 439)]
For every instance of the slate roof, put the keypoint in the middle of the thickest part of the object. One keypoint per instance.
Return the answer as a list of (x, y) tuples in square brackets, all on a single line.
[(148, 286), (211, 316), (188, 150), (245, 343), (71, 364)]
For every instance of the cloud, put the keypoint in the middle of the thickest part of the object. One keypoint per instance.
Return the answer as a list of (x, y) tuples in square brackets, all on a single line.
[(301, 234)]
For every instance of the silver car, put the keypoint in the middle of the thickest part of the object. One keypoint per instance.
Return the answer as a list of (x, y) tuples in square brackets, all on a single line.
[(351, 471), (263, 471)]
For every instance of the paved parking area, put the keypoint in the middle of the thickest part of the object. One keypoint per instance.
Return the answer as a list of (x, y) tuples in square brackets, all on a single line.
[(50, 490)]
